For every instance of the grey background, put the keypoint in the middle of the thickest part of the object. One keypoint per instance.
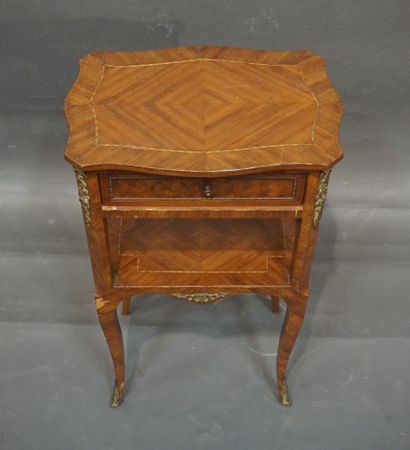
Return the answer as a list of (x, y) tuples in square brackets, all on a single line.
[(203, 377)]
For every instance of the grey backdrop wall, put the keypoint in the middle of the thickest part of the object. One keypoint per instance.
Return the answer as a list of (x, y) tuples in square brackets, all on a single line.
[(350, 373)]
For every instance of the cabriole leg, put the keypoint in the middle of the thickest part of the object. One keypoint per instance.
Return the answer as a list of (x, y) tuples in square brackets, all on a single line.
[(107, 315), (296, 307), (126, 306), (275, 304)]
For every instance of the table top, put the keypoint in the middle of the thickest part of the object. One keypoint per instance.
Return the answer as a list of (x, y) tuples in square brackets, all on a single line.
[(203, 111)]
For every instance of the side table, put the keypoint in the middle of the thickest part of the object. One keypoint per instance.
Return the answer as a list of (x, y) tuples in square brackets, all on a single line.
[(202, 173)]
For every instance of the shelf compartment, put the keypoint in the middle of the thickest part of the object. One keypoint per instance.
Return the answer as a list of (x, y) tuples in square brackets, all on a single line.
[(202, 252)]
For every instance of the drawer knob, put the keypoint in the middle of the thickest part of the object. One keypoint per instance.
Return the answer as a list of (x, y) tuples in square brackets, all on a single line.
[(208, 190)]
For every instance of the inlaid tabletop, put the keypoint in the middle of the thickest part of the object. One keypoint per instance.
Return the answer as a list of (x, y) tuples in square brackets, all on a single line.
[(205, 111)]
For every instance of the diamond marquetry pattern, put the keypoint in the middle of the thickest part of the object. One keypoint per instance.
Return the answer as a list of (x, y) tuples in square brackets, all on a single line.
[(203, 106), (174, 250), (203, 110)]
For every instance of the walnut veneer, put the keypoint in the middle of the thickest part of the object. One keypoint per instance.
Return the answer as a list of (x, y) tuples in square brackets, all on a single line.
[(202, 173)]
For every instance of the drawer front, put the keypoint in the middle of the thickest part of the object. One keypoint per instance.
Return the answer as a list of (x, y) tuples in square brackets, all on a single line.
[(133, 189)]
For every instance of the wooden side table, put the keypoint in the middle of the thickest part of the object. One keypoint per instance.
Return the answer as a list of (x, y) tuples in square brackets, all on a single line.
[(202, 173)]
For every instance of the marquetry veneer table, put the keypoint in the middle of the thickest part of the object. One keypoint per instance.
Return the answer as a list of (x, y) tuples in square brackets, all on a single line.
[(202, 173)]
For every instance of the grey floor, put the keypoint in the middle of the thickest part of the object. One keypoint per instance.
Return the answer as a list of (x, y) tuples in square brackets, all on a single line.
[(202, 377)]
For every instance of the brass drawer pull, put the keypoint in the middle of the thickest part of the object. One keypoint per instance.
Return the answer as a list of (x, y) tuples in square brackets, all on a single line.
[(208, 190)]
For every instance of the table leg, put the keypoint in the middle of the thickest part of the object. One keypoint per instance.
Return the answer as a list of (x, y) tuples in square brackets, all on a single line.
[(296, 307), (107, 315), (275, 304), (126, 306)]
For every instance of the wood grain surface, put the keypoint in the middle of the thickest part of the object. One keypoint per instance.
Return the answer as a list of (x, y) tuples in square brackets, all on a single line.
[(203, 111), (203, 252), (261, 189)]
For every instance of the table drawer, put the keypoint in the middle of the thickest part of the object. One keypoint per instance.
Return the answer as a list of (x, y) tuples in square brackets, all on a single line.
[(120, 189)]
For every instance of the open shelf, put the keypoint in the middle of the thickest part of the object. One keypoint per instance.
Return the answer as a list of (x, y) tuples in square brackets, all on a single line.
[(201, 252)]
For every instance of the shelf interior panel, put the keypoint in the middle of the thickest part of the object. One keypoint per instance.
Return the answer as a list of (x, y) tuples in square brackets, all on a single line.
[(202, 252)]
